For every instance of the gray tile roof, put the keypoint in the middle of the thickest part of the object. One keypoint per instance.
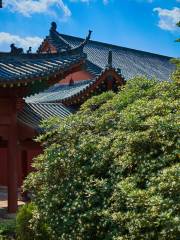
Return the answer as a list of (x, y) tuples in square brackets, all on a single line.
[(65, 92), (34, 113), (59, 92), (26, 67), (93, 69), (131, 62), (55, 39)]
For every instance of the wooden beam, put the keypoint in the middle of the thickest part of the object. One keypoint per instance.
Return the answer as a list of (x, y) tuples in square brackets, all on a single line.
[(3, 143), (4, 120), (13, 91), (4, 132), (12, 161), (29, 144)]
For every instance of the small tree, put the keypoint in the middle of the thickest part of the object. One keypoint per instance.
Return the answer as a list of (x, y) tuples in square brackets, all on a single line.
[(178, 24), (176, 74), (112, 170)]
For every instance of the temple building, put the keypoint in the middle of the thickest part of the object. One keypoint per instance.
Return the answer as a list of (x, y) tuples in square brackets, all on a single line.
[(63, 73)]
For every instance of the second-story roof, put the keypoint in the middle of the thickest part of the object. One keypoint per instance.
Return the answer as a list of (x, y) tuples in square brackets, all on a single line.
[(131, 62)]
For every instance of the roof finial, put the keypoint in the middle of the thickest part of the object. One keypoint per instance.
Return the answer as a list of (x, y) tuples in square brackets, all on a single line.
[(29, 50), (89, 35), (81, 45), (109, 59), (53, 26), (15, 50), (71, 81)]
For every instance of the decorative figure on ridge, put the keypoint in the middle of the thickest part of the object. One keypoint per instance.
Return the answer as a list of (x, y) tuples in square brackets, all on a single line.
[(53, 27), (29, 50), (15, 50), (110, 59), (57, 43), (71, 81), (79, 49), (89, 36)]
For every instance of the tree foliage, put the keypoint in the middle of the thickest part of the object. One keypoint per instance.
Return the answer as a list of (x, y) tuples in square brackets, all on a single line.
[(176, 74), (178, 24), (112, 170), (23, 224)]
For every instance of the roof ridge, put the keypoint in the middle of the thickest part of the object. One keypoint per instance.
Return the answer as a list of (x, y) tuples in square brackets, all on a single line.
[(36, 55), (59, 39)]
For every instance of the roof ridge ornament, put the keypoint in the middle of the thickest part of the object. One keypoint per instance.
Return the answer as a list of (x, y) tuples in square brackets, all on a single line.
[(71, 81), (79, 49), (59, 41), (53, 27), (89, 35), (110, 59), (87, 38), (29, 50), (15, 50)]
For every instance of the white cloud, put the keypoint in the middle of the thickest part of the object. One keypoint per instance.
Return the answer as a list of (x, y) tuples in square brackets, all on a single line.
[(25, 42), (29, 7), (168, 18)]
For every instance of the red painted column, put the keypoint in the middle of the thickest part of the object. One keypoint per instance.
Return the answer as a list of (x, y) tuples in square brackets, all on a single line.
[(12, 160)]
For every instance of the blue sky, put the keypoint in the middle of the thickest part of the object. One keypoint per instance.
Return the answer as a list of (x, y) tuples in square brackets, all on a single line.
[(147, 25)]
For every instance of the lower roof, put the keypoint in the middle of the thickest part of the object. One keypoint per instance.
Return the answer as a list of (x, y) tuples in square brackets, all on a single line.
[(59, 92), (34, 113)]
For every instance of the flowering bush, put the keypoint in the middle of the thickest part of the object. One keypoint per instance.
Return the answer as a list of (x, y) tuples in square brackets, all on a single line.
[(112, 170)]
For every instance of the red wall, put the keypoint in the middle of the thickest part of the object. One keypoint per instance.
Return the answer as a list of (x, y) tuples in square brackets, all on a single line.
[(3, 166), (77, 76), (20, 166)]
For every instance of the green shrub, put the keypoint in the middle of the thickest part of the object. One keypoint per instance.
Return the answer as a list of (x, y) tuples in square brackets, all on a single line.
[(23, 224), (112, 170), (7, 228), (23, 219)]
